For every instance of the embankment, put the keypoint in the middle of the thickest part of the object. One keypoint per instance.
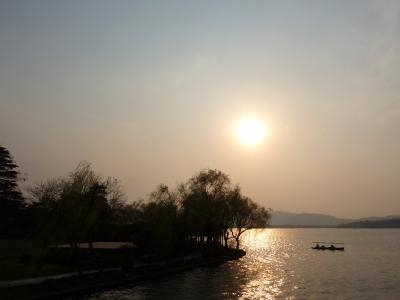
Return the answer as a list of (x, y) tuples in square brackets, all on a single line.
[(100, 281)]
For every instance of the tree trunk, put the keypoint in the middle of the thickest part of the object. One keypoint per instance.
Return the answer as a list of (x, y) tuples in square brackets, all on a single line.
[(226, 238), (91, 247)]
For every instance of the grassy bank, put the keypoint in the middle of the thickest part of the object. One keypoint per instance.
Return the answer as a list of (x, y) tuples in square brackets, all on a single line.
[(84, 284), (11, 267)]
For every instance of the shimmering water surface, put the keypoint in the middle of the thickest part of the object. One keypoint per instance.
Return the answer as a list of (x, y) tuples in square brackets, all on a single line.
[(281, 265)]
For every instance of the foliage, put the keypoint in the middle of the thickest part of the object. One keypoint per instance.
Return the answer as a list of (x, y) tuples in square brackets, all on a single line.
[(81, 207), (11, 199), (206, 211)]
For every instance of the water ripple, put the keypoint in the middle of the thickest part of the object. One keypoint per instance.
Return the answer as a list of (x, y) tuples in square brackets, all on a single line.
[(280, 265)]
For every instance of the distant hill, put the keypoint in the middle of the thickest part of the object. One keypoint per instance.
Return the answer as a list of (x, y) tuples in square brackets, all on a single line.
[(286, 219), (390, 217), (391, 223)]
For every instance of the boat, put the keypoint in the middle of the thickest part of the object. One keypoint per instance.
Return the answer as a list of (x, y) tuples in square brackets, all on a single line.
[(331, 246)]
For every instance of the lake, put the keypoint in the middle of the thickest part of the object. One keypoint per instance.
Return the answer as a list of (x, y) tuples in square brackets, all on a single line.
[(280, 264)]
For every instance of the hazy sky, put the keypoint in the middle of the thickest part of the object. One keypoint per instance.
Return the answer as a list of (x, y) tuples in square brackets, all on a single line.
[(150, 92)]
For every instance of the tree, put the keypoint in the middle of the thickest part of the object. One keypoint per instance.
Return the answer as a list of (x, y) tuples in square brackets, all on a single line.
[(214, 211), (159, 215), (245, 214), (204, 206), (73, 196), (11, 199), (77, 208)]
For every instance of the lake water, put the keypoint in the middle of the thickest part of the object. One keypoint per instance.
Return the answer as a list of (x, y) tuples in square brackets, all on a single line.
[(281, 265)]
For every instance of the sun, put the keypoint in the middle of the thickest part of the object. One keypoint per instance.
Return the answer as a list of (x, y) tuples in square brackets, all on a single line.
[(251, 131)]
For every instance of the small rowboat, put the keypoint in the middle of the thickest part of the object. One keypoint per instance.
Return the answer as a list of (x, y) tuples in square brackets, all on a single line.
[(324, 247)]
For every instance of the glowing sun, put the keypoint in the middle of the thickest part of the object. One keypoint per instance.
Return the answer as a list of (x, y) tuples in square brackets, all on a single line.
[(251, 131)]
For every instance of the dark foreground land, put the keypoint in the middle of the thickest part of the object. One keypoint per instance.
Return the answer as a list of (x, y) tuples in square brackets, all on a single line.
[(88, 283), (78, 234)]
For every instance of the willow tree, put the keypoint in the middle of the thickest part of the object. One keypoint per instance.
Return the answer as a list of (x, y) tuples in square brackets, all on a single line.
[(204, 204), (245, 214), (159, 218), (77, 208)]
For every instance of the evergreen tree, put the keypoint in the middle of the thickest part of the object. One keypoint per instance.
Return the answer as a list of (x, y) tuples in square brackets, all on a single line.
[(11, 199)]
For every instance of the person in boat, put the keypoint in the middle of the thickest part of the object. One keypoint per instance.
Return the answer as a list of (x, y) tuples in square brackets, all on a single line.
[(317, 246), (331, 247), (322, 247)]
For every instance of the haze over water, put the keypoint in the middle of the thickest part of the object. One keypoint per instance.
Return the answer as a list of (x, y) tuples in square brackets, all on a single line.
[(281, 265)]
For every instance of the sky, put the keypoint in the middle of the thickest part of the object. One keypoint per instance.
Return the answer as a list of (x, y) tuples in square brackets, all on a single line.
[(150, 92)]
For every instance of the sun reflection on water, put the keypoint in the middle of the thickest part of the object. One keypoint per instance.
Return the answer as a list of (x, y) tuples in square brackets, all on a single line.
[(279, 264), (268, 273)]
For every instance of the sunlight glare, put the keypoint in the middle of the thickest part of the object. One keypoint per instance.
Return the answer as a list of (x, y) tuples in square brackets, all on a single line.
[(251, 131)]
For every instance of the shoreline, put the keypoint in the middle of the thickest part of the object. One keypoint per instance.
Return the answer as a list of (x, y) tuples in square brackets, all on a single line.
[(101, 281)]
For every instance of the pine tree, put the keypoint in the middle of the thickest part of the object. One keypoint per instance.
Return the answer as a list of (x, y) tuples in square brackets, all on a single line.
[(11, 199)]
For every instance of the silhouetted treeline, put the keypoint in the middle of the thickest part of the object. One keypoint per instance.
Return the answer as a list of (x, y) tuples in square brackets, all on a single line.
[(206, 210), (83, 206)]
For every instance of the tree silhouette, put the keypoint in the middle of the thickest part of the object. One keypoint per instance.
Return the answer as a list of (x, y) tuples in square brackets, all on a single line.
[(204, 214), (204, 204), (76, 209), (11, 199), (244, 215), (160, 221), (214, 211)]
